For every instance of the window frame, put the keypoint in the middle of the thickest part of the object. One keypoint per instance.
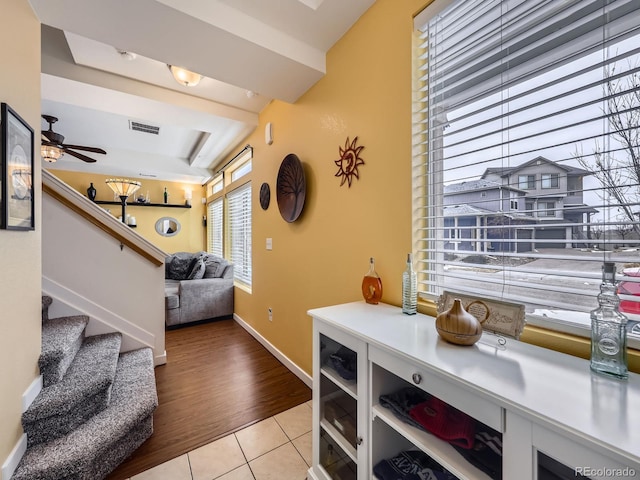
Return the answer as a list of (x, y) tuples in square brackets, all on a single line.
[(529, 182), (549, 181), (420, 167), (546, 209)]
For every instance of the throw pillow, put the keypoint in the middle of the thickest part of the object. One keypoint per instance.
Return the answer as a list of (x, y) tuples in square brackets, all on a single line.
[(167, 266), (198, 269), (215, 267), (180, 267)]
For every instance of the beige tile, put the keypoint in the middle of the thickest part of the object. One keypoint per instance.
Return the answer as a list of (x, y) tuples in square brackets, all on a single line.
[(296, 421), (261, 438), (176, 469), (283, 463), (241, 473), (216, 458), (303, 445)]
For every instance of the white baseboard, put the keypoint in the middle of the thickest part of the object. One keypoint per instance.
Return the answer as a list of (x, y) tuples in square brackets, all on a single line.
[(31, 392), (12, 461), (295, 369), (160, 359)]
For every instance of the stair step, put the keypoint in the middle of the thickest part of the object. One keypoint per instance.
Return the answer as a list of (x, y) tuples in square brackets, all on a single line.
[(84, 391), (61, 340), (99, 445)]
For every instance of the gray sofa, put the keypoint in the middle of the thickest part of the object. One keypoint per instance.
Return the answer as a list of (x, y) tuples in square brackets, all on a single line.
[(198, 286)]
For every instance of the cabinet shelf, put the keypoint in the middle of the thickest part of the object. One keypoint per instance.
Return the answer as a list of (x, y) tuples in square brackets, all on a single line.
[(439, 450), (137, 204), (348, 386), (339, 439)]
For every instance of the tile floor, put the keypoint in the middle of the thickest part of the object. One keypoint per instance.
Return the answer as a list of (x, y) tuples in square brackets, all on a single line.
[(278, 448)]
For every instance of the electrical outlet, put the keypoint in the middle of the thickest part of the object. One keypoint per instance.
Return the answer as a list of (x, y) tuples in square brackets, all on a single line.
[(270, 314)]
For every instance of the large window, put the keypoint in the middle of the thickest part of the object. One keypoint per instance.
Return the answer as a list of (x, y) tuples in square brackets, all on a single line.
[(229, 214), (527, 182), (506, 92), (216, 227), (240, 232), (550, 180)]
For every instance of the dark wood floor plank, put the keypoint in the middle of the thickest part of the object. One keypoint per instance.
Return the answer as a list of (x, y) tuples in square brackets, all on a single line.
[(218, 379)]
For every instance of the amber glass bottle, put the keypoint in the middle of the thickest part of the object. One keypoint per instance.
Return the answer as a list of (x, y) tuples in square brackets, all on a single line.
[(372, 285)]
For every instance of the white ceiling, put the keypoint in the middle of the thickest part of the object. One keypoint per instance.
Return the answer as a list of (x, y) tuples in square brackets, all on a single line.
[(249, 52)]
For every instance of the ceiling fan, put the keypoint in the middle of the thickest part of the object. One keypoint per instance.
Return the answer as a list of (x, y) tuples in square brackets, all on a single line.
[(53, 146)]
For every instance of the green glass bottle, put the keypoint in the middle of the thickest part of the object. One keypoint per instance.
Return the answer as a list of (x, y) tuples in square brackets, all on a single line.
[(409, 289)]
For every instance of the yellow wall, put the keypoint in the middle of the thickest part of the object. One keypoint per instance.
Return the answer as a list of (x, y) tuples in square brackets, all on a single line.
[(192, 235), (321, 258), (20, 259)]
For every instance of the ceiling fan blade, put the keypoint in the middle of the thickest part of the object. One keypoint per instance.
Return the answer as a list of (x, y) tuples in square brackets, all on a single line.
[(80, 156), (88, 149)]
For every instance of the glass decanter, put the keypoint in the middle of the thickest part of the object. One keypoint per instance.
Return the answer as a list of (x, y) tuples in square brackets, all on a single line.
[(372, 285), (409, 289), (609, 329)]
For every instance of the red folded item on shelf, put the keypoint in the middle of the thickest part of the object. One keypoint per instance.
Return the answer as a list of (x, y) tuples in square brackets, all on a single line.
[(445, 422)]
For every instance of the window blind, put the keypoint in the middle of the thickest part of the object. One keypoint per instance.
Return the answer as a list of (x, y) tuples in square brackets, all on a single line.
[(239, 223), (216, 227), (526, 149)]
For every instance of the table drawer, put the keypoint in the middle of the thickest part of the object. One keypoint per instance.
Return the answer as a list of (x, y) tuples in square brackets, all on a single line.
[(477, 407)]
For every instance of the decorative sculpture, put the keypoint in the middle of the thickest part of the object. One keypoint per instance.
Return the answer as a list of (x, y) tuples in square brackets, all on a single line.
[(349, 161)]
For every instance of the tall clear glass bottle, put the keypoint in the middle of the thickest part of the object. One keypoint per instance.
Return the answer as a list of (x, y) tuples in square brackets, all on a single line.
[(372, 285), (609, 329), (409, 289)]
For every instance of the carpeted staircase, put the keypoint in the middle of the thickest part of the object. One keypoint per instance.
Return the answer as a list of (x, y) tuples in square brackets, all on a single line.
[(96, 406)]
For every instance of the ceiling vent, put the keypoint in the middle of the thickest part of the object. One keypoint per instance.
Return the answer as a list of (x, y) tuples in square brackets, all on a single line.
[(142, 127)]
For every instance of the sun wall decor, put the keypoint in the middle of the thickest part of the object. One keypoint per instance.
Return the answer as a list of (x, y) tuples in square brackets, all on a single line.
[(349, 161)]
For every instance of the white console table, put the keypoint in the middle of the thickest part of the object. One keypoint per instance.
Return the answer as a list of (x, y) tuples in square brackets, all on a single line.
[(545, 404)]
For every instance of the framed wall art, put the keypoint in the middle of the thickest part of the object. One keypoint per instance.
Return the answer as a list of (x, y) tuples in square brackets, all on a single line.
[(17, 171)]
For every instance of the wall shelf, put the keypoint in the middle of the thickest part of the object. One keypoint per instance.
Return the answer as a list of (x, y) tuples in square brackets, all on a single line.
[(137, 204)]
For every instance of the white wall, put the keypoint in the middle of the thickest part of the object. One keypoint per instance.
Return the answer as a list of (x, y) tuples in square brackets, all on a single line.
[(87, 268)]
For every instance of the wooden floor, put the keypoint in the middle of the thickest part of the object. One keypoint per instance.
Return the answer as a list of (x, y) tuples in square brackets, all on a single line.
[(217, 380)]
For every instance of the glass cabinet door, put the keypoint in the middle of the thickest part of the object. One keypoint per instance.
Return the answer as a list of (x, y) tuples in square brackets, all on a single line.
[(558, 458), (338, 410)]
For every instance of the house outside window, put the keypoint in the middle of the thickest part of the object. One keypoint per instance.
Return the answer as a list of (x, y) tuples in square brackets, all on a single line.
[(546, 209), (527, 182), (529, 207), (518, 91), (229, 216), (549, 180), (513, 202)]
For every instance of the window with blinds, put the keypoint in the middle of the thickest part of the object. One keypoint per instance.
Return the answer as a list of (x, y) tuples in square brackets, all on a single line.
[(229, 214), (526, 149), (239, 204), (216, 231)]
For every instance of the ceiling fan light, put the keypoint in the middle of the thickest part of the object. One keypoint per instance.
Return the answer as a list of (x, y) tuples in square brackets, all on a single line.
[(50, 153), (185, 77)]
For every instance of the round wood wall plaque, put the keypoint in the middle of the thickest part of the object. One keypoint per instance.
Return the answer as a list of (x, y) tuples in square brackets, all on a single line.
[(291, 187), (265, 195)]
